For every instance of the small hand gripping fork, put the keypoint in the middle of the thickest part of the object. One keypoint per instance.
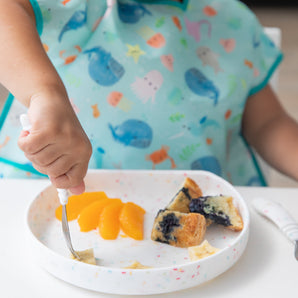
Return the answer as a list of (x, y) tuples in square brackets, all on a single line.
[(62, 194)]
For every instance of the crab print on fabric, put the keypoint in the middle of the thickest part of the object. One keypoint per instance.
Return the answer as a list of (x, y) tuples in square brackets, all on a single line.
[(160, 156)]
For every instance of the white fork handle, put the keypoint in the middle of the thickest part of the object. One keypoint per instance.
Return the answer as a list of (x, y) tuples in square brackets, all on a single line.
[(62, 193), (25, 122), (63, 196), (279, 215)]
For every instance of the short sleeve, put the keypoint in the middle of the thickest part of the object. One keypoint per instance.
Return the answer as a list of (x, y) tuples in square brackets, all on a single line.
[(266, 58)]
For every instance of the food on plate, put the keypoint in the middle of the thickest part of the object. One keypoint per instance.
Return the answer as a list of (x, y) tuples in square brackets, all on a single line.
[(201, 251), (187, 191), (109, 224), (218, 209), (86, 256), (137, 265), (177, 224), (76, 203), (89, 216), (88, 208), (178, 229), (132, 220)]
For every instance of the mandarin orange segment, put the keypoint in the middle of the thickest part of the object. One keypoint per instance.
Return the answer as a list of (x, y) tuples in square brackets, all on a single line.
[(89, 216), (132, 220), (77, 203), (109, 225)]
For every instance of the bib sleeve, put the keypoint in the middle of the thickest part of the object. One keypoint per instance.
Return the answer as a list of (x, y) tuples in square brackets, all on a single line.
[(266, 58), (38, 16)]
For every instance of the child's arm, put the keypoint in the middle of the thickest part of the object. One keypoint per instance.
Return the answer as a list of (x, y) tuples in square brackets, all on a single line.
[(57, 144), (272, 132)]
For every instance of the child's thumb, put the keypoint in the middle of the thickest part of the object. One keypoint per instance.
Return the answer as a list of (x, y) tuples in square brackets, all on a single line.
[(77, 190)]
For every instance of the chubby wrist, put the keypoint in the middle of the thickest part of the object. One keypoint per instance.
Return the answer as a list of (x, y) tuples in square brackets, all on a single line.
[(51, 93)]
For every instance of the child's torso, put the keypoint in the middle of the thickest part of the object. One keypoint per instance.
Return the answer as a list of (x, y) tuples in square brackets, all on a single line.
[(156, 86)]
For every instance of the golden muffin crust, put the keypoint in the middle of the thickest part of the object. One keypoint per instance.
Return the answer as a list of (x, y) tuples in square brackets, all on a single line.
[(178, 229), (188, 190)]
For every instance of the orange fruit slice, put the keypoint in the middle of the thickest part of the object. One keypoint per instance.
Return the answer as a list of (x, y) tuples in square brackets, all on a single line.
[(109, 225), (76, 203), (89, 216), (132, 220)]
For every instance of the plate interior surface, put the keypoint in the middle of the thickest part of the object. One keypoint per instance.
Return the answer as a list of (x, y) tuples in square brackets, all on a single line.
[(152, 190)]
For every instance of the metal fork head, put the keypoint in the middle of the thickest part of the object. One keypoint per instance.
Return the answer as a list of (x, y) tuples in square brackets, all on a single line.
[(66, 233)]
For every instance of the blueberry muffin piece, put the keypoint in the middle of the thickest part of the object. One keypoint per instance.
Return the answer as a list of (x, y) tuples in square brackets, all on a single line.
[(181, 200), (218, 209), (178, 229)]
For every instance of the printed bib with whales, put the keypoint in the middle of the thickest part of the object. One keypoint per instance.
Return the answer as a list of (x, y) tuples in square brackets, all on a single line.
[(155, 84)]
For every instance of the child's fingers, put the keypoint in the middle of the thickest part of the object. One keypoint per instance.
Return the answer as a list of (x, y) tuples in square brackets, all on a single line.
[(46, 156), (73, 179), (32, 143), (58, 167)]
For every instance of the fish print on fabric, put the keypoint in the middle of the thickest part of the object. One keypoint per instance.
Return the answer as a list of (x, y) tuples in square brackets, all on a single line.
[(155, 85), (103, 68), (198, 128), (77, 20), (132, 132), (201, 85), (207, 163), (131, 13), (209, 58)]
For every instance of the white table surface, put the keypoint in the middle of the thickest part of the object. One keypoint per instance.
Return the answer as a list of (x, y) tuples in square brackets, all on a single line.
[(266, 269)]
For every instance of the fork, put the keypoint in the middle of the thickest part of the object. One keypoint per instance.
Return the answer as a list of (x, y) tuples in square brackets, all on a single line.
[(63, 197), (62, 194)]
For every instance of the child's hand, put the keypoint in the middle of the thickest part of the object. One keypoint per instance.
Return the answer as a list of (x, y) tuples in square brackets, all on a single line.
[(57, 144)]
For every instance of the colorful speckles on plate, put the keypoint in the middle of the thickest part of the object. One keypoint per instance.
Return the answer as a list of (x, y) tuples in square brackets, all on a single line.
[(171, 269)]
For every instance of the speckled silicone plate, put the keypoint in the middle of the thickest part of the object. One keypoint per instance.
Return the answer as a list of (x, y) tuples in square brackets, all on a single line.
[(171, 269)]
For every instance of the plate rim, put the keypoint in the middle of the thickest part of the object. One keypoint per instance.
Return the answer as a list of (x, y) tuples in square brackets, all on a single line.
[(242, 234)]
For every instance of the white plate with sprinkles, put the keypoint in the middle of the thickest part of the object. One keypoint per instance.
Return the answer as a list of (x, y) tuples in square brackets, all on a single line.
[(169, 268)]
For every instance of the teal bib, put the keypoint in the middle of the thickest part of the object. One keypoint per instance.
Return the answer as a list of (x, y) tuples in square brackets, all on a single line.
[(155, 84)]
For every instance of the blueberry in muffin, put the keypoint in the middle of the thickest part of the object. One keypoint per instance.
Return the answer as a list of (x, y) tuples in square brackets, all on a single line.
[(218, 209), (178, 228)]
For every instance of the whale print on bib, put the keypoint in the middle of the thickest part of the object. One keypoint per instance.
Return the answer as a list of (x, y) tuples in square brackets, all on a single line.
[(155, 84)]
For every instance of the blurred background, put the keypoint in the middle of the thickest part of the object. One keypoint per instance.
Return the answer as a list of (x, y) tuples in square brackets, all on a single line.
[(284, 15)]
